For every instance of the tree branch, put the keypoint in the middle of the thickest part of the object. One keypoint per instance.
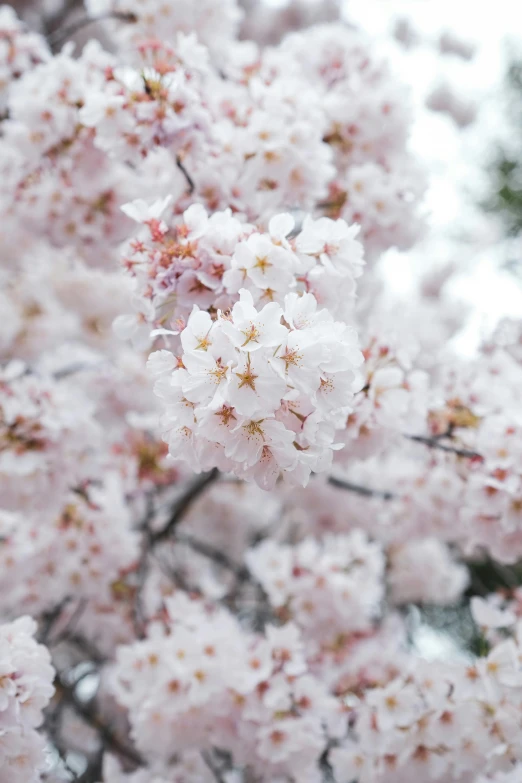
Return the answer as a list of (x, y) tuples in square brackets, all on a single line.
[(48, 621), (88, 712), (190, 181), (59, 36), (182, 505), (360, 490), (241, 572), (53, 21), (435, 443), (207, 758)]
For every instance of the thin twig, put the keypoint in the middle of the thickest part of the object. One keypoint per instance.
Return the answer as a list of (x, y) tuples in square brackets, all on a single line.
[(49, 619), (87, 711), (61, 35), (182, 505), (190, 181), (138, 613), (434, 443), (85, 646), (360, 490), (52, 22), (241, 572), (72, 369), (209, 761)]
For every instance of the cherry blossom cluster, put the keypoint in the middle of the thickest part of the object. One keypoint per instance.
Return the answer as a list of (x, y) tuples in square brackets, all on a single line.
[(376, 180), (215, 22), (199, 681), (82, 553), (446, 721), (328, 589), (207, 260), (421, 570), (20, 50), (392, 401), (47, 439), (60, 186), (485, 422), (259, 392), (160, 103), (264, 129), (425, 571), (26, 677), (461, 464), (46, 298)]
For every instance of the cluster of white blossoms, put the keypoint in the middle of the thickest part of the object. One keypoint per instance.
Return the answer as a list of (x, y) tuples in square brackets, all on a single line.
[(215, 22), (206, 260), (80, 553), (265, 375), (161, 103), (392, 401), (59, 186), (367, 118), (200, 681), (442, 721), (425, 571), (259, 392), (26, 677), (329, 589), (47, 439), (20, 50)]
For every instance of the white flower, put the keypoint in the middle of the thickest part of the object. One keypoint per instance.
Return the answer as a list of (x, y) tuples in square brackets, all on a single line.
[(299, 360), (301, 311), (250, 330), (268, 266), (206, 379), (280, 226), (254, 388), (141, 211), (249, 439), (487, 616), (161, 363), (334, 243)]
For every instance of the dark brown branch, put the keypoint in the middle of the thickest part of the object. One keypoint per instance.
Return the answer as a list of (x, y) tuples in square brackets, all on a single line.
[(48, 621), (190, 181), (182, 505), (241, 572), (435, 443), (72, 369), (217, 769), (360, 490), (212, 767), (86, 647), (61, 35), (52, 22), (88, 712)]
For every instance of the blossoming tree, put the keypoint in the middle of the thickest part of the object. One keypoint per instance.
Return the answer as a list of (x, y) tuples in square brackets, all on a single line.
[(230, 457)]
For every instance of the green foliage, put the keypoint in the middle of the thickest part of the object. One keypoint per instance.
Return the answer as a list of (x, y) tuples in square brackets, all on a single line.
[(506, 168)]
